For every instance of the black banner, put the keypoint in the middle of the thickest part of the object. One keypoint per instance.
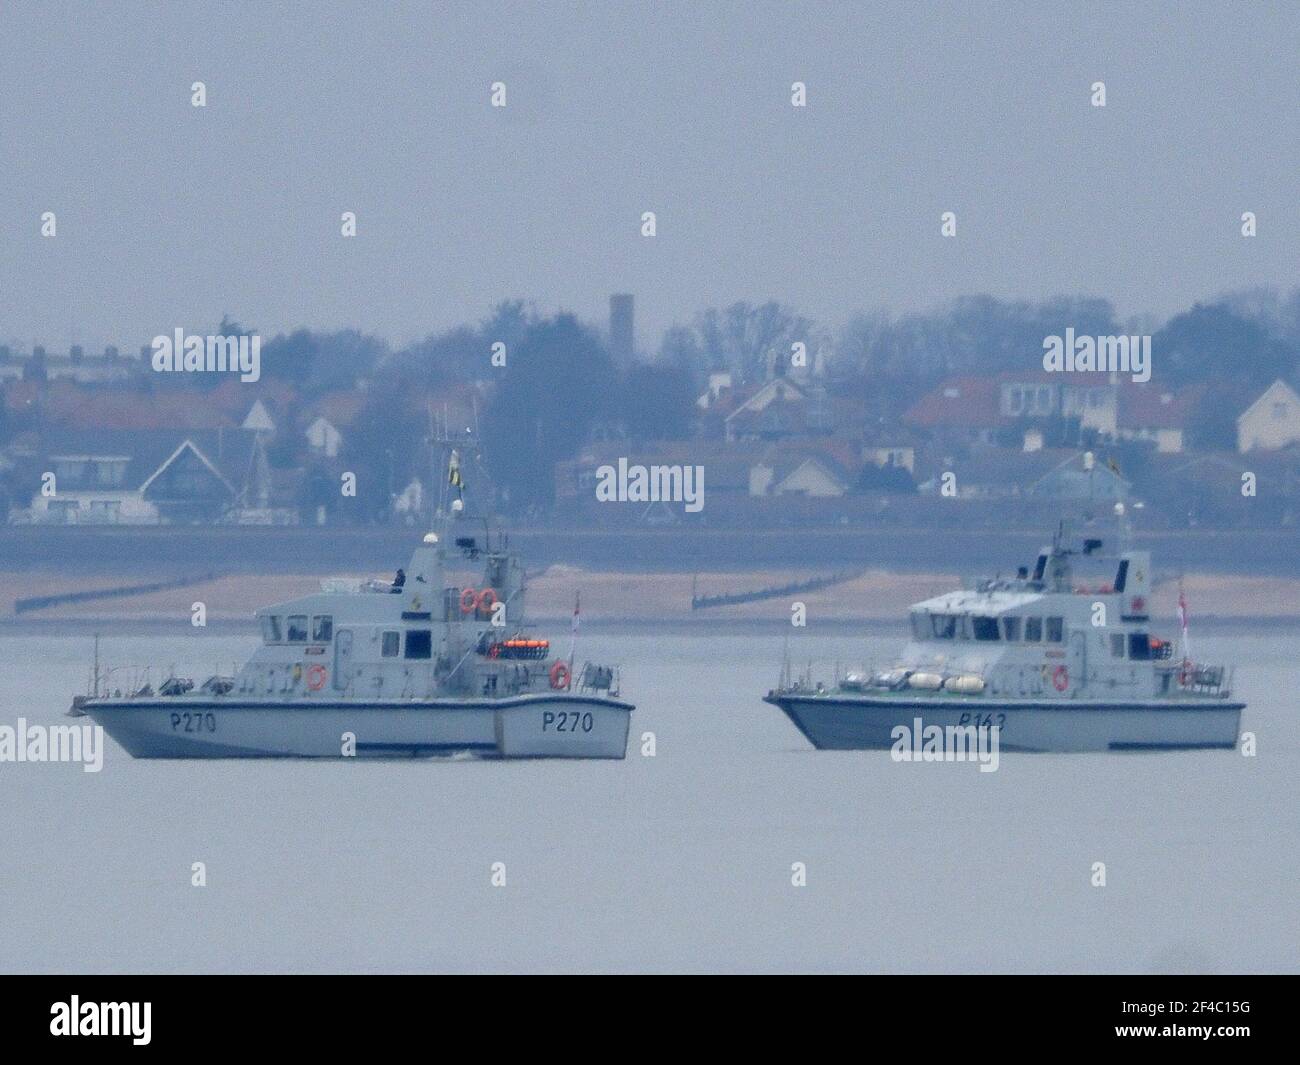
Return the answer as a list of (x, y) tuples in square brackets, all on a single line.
[(340, 1013)]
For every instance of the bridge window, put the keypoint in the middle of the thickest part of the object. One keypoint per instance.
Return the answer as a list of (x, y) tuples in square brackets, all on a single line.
[(271, 628), (1033, 630), (1055, 630), (1139, 646), (1117, 645), (984, 628), (1121, 576), (419, 643), (919, 627), (943, 626), (297, 628), (1011, 629), (322, 628), (389, 644)]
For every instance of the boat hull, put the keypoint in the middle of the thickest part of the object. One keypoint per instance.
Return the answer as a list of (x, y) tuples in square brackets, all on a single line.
[(543, 725), (846, 722)]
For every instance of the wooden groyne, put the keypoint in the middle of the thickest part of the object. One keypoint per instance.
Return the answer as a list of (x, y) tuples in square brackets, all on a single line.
[(40, 602), (704, 602)]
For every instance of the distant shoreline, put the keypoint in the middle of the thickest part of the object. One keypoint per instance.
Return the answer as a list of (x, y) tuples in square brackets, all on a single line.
[(145, 553), (876, 597), (120, 627)]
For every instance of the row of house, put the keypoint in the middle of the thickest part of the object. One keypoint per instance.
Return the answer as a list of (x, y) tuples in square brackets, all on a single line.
[(76, 454), (76, 365), (65, 404), (140, 477), (134, 453), (987, 409), (1006, 409), (840, 479), (839, 465), (1033, 438)]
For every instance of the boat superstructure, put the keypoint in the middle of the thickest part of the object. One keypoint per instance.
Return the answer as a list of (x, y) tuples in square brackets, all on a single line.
[(409, 667), (1060, 657)]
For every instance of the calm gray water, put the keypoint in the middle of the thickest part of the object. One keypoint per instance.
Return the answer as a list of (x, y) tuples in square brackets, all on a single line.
[(677, 862)]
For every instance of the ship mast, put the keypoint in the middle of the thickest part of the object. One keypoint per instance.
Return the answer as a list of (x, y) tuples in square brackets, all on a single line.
[(1124, 525), (446, 457)]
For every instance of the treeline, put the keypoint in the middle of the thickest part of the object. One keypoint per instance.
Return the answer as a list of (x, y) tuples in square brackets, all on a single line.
[(558, 385), (1252, 336)]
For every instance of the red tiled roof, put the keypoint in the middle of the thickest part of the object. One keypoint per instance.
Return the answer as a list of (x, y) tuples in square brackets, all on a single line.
[(167, 410), (338, 408), (1146, 406), (235, 397), (53, 397), (64, 403), (963, 402)]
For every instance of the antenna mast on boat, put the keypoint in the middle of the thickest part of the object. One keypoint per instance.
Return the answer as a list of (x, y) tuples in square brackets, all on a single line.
[(1124, 526), (1182, 621)]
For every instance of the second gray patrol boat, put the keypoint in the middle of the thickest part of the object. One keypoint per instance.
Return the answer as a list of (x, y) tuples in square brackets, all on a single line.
[(1050, 661), (406, 668)]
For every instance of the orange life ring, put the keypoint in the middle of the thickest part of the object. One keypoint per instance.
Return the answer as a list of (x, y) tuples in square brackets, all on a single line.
[(487, 599), (316, 677), (559, 676), (1060, 678), (468, 598)]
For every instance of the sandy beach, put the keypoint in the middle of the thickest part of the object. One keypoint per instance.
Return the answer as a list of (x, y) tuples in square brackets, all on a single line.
[(875, 595)]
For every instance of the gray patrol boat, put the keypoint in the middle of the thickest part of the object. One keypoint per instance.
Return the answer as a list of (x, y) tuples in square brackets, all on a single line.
[(1053, 660), (407, 668)]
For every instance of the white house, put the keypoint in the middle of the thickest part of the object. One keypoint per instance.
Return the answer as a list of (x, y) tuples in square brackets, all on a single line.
[(718, 383), (885, 454), (1094, 403), (259, 419), (409, 503), (779, 390), (323, 438), (1156, 416), (148, 476), (809, 475), (1272, 422), (76, 365)]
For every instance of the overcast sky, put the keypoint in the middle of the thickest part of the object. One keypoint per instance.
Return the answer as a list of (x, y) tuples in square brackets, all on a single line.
[(170, 215)]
